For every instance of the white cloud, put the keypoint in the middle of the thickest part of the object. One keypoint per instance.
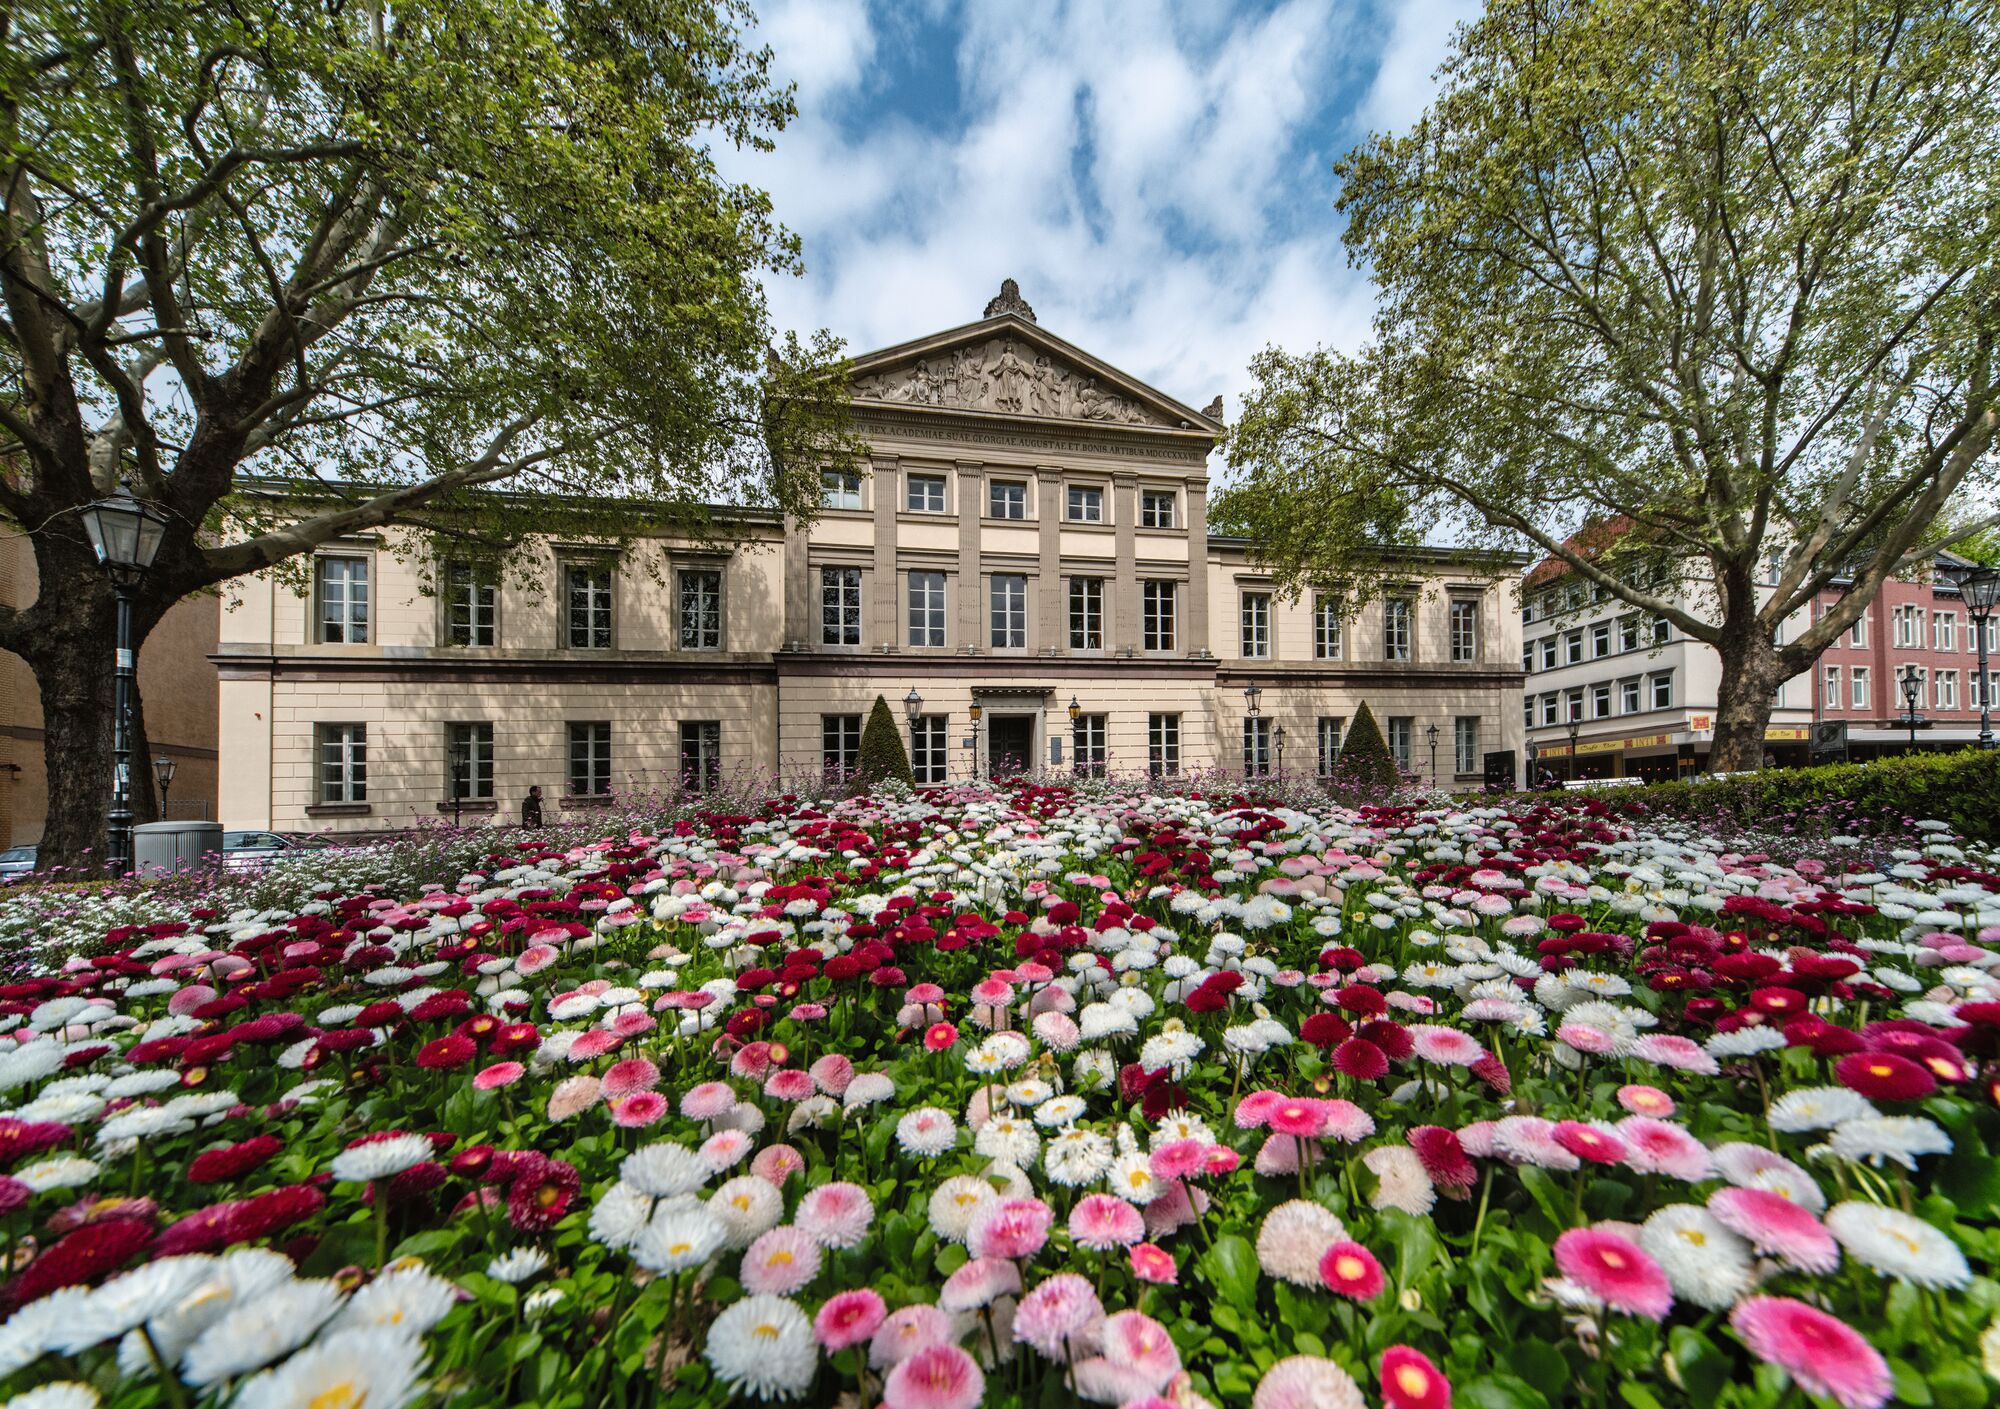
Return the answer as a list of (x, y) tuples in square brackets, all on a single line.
[(1157, 175), (1405, 80)]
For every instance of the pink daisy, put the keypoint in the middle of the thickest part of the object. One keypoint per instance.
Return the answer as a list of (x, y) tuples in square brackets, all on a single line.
[(1346, 1121), (781, 1262), (632, 1074), (1824, 1354), (832, 1073), (1057, 1309), (789, 1084), (936, 1377), (1616, 1271), (1010, 1228), (1300, 1117), (1279, 1155), (592, 1044), (905, 1331), (535, 958), (1646, 1100), (1351, 1270), (708, 1101), (1153, 1263), (499, 1074), (1588, 1142), (1773, 1224), (776, 1164), (1681, 1053), (848, 1318), (1101, 1222), (1591, 1041), (1134, 1341), (1661, 1147), (1253, 1112), (1446, 1046), (725, 1148), (1411, 1381), (638, 1110), (979, 1283), (1177, 1159), (837, 1215)]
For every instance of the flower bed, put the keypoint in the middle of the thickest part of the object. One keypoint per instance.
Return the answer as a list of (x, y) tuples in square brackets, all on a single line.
[(1028, 1098)]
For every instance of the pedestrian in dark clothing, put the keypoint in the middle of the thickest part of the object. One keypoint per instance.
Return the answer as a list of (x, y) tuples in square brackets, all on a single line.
[(531, 807)]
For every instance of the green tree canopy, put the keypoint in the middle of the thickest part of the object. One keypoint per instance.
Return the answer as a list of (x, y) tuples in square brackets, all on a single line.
[(882, 758), (1721, 276), (367, 259), (1364, 754)]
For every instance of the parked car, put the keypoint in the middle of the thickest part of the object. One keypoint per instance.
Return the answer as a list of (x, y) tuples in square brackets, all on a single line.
[(16, 862), (243, 848)]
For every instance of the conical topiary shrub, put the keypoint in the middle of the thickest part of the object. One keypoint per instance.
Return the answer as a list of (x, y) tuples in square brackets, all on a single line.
[(1365, 757), (882, 757)]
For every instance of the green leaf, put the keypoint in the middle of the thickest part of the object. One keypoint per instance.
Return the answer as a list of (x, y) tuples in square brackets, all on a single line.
[(1702, 1368), (1499, 1392), (1637, 1395), (1231, 1267), (1910, 1385), (1416, 1245)]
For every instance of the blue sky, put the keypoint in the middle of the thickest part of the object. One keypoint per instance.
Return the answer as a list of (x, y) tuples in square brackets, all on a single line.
[(1155, 173)]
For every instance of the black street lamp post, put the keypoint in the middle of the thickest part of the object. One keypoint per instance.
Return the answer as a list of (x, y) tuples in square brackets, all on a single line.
[(1431, 736), (1278, 738), (458, 762), (1913, 689), (125, 535), (1981, 589), (1575, 728), (975, 712), (163, 774)]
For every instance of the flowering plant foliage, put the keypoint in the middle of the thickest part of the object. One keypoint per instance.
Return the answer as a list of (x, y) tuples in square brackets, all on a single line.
[(1026, 1096)]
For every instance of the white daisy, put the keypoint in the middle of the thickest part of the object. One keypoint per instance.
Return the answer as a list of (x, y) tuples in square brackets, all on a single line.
[(517, 1266), (1705, 1262), (409, 1299), (380, 1159), (258, 1330), (664, 1170), (679, 1238), (377, 1367), (1891, 1241), (763, 1346)]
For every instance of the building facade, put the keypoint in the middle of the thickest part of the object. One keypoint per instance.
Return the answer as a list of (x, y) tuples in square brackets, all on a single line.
[(1025, 572), (1921, 627), (1642, 695)]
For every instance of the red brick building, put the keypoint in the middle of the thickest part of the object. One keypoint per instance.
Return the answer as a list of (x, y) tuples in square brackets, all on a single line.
[(1923, 624)]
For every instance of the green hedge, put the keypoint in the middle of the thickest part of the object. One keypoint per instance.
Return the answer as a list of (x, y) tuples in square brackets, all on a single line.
[(1960, 788)]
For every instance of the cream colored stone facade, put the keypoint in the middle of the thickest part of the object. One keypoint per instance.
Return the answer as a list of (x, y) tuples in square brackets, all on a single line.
[(1031, 532)]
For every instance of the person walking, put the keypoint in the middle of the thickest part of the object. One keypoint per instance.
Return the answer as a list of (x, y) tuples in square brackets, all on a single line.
[(531, 807)]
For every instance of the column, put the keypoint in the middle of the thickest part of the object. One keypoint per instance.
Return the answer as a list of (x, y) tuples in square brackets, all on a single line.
[(880, 612), (1197, 594), (969, 619), (1050, 589), (1122, 629)]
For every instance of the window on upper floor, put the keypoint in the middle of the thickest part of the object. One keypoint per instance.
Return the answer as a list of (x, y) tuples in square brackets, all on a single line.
[(1945, 686), (1548, 653), (1255, 622), (700, 608), (1628, 696), (839, 490), (1398, 639), (471, 606), (1007, 499), (924, 494), (1857, 634), (1010, 611), (1157, 614), (1858, 691), (1944, 630), (1663, 690), (1156, 508), (1600, 701), (587, 602), (1628, 633), (926, 609), (1573, 705), (1663, 631), (840, 606), (1600, 639), (1464, 623), (1573, 648), (1527, 655), (340, 593), (1085, 504), (1549, 705), (1907, 626), (1830, 695), (1329, 635)]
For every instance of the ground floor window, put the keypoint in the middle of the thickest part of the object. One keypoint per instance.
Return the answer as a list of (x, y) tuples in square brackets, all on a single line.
[(929, 757), (343, 762), (839, 745), (1402, 732), (1086, 741), (469, 762), (701, 755), (1163, 745), (1465, 744), (1256, 747), (1329, 744), (589, 760)]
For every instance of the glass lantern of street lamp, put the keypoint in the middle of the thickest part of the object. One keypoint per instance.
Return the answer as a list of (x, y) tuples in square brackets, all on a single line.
[(1980, 587), (1250, 697), (913, 704), (163, 774), (1913, 688), (124, 534), (1075, 709), (975, 711)]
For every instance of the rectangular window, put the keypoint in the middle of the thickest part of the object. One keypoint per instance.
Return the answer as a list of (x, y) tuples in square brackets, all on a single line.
[(1163, 745), (1329, 642), (1548, 653), (1944, 630), (1600, 701), (589, 760), (1628, 633), (838, 490), (1857, 634), (926, 609), (1549, 708), (1663, 631), (1086, 504), (839, 745), (1908, 626), (1528, 656), (701, 609), (1255, 619), (469, 761), (1464, 629), (1156, 508), (701, 755), (1573, 705), (1257, 746), (1010, 611), (342, 590), (1947, 689), (1329, 743), (1628, 696), (471, 606), (588, 590), (840, 606), (1402, 736), (1465, 744), (924, 494), (343, 762), (1528, 712), (1858, 686), (1600, 639), (1007, 499), (1573, 648), (1663, 689), (930, 754), (1086, 613), (1396, 613), (1831, 694), (1156, 611), (1086, 745)]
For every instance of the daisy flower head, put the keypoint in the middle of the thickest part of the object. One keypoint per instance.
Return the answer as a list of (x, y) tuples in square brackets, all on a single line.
[(1411, 1381), (1661, 1147), (1293, 1238), (849, 1318), (377, 1365), (1900, 1245), (1054, 1311), (679, 1238), (836, 1215), (1351, 1270), (747, 1207), (763, 1346), (1645, 1100), (1810, 1108), (1153, 1263), (954, 1204), (1822, 1354), (1902, 1139), (1012, 1228), (1101, 1222), (664, 1170), (979, 1283), (781, 1262), (1776, 1226), (1306, 1382), (1616, 1271), (936, 1377), (1705, 1263), (907, 1330), (382, 1158)]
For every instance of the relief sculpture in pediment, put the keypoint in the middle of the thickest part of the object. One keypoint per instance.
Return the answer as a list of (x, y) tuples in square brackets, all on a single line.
[(1002, 376)]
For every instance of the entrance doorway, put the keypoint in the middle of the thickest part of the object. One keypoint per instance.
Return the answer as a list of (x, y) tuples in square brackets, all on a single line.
[(1010, 744)]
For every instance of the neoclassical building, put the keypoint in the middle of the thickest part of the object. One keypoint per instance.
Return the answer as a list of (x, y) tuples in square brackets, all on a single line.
[(1025, 573)]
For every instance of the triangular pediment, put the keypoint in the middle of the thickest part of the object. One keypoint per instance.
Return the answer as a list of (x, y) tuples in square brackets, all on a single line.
[(1006, 365)]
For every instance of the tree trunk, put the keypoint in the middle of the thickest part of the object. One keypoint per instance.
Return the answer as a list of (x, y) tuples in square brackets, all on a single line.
[(1751, 673), (72, 651)]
